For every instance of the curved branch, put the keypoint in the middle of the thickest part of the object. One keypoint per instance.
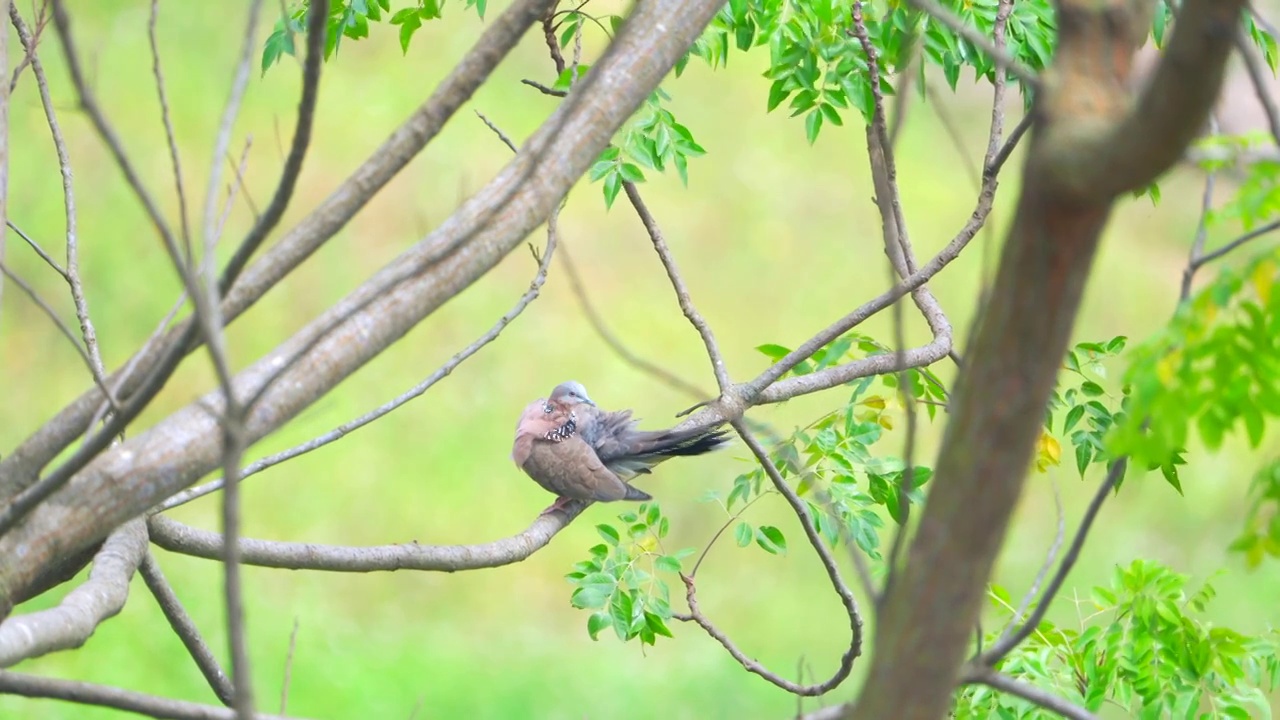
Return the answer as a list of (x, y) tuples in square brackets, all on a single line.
[(69, 624), (1032, 694), (177, 537)]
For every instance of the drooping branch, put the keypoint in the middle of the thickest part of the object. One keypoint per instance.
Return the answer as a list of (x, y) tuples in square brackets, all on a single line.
[(75, 618), (1089, 147)]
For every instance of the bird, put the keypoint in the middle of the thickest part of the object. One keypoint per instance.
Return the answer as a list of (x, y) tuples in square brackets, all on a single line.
[(577, 451)]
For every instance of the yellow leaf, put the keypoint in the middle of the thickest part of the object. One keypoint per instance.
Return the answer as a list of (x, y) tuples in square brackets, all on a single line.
[(885, 421), (648, 543), (874, 401), (1048, 452), (1167, 368), (1264, 276)]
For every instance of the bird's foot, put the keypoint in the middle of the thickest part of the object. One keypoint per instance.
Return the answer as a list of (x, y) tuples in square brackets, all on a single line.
[(559, 504)]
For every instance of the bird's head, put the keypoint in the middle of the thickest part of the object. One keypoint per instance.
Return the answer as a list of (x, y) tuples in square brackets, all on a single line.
[(570, 393)]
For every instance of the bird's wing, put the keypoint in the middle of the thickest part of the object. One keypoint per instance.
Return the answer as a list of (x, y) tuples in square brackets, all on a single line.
[(571, 468)]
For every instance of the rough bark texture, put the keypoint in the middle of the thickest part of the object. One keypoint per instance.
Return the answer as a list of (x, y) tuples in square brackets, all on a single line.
[(133, 476), (1090, 145)]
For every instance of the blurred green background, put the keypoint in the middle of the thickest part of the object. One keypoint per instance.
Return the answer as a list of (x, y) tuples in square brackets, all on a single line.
[(776, 239)]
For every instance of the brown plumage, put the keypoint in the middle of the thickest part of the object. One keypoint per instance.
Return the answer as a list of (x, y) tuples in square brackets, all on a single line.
[(577, 451)]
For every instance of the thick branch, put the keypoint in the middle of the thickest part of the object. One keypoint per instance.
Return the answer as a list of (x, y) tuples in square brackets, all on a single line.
[(74, 619), (1095, 147), (1022, 333), (19, 468)]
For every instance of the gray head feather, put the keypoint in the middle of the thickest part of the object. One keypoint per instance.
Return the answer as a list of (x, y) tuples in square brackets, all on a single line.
[(571, 393)]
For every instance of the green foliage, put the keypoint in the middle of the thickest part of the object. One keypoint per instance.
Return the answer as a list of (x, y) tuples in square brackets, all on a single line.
[(1142, 644), (653, 139), (1261, 534), (1214, 369), (621, 582), (350, 19)]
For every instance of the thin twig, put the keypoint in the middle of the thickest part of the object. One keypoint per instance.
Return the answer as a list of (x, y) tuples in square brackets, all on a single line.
[(12, 683), (156, 71), (222, 141), (1035, 695), (606, 334), (1229, 247), (36, 247), (50, 312), (288, 667), (1010, 641), (535, 288), (1197, 245), (1261, 87), (544, 89), (72, 272), (682, 290), (1049, 560), (185, 628)]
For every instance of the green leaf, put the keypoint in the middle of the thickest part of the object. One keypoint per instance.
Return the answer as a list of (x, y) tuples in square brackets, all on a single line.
[(667, 563), (612, 184), (609, 533), (770, 539), (743, 534), (597, 622), (812, 125), (589, 597), (773, 352)]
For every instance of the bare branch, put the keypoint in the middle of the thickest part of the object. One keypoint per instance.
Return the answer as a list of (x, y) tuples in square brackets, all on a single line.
[(1011, 640), (4, 138), (1049, 560), (597, 323), (223, 140), (83, 609), (682, 290), (288, 667), (89, 103), (72, 272), (828, 563), (176, 537), (48, 311), (38, 250), (186, 629), (1026, 691), (488, 226), (172, 140), (544, 89), (1197, 244), (535, 288), (1261, 88), (18, 469), (12, 683)]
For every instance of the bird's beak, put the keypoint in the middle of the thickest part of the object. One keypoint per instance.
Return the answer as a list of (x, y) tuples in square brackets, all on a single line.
[(588, 401)]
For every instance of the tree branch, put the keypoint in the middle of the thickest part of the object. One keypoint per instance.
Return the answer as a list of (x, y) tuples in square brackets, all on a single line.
[(19, 468), (682, 290), (1028, 692), (69, 624), (12, 683), (186, 629), (176, 537), (72, 272), (1023, 329)]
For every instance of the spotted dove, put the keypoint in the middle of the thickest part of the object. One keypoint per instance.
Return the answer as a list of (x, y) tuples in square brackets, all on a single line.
[(579, 452)]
